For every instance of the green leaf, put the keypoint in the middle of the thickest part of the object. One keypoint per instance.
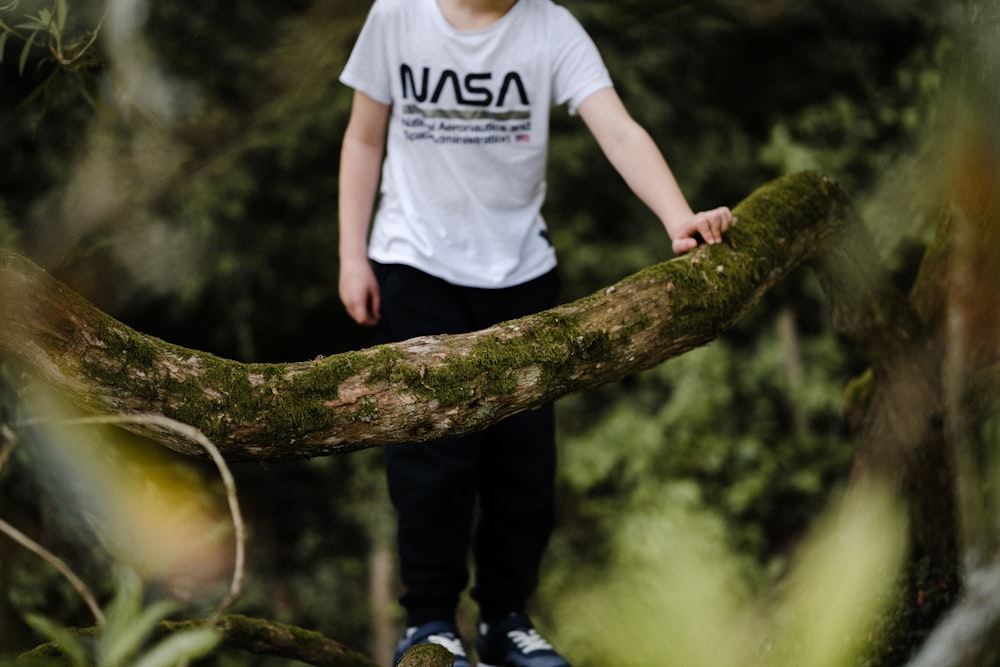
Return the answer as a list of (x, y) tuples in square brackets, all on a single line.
[(69, 643), (183, 646), (33, 24), (128, 638), (125, 606), (62, 10), (3, 41), (127, 624), (25, 51)]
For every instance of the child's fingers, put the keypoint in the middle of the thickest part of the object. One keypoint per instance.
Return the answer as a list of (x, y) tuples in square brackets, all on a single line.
[(685, 244), (708, 224), (713, 224)]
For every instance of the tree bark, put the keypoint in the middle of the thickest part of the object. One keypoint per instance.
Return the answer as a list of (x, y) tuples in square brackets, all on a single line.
[(265, 637), (895, 411), (427, 387), (964, 311)]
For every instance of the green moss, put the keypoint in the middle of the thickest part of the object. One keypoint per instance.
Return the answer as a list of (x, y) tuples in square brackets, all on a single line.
[(550, 341), (323, 377), (382, 364), (805, 196), (50, 654), (387, 365), (213, 393), (128, 347), (427, 655), (776, 209), (859, 390), (267, 637)]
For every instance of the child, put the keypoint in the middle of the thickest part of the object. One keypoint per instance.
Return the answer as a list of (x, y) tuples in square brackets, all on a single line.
[(457, 95)]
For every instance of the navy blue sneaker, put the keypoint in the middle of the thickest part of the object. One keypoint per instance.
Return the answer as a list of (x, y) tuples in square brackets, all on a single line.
[(435, 632), (514, 642)]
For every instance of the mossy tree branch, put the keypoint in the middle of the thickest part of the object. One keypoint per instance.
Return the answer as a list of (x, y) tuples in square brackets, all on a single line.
[(265, 637), (426, 387), (253, 635)]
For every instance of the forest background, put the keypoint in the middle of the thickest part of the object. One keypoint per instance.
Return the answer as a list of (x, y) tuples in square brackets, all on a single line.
[(180, 171)]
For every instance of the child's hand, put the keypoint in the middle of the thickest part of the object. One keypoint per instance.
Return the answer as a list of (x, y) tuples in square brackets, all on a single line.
[(359, 292), (709, 225)]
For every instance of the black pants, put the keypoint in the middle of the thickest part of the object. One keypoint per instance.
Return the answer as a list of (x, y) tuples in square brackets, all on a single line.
[(508, 469)]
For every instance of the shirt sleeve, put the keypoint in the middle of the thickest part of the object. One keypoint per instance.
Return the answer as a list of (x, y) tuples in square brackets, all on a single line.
[(367, 68), (577, 67)]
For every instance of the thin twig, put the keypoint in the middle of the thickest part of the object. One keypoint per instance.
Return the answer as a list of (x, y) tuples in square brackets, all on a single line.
[(53, 560), (10, 442), (195, 435), (57, 53)]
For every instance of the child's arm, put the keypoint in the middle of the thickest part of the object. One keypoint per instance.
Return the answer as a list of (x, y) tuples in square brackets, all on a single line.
[(632, 152), (360, 168)]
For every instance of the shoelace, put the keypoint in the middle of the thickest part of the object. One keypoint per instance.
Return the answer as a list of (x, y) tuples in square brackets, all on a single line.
[(529, 640), (453, 644)]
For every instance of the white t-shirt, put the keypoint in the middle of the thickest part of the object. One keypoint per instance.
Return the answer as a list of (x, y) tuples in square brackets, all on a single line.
[(464, 175)]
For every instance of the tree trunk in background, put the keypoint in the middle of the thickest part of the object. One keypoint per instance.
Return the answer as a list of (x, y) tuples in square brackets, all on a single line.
[(896, 413), (971, 325), (959, 296), (788, 338), (382, 577)]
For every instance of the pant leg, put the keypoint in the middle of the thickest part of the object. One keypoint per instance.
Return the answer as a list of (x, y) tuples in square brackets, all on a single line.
[(432, 485), (516, 475), (433, 488), (517, 511)]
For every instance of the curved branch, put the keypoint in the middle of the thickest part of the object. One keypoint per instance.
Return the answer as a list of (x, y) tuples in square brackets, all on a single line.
[(34, 547), (424, 388), (254, 635), (225, 475), (266, 637)]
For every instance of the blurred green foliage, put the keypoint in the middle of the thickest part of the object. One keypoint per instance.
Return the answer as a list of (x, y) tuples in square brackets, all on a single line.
[(676, 595), (125, 636), (209, 219)]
